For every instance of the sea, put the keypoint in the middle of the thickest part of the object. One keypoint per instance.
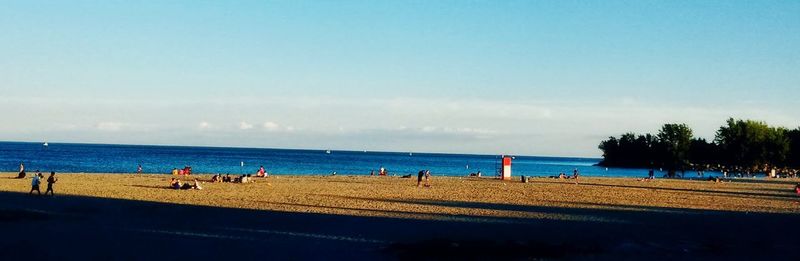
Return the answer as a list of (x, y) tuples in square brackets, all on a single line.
[(110, 158)]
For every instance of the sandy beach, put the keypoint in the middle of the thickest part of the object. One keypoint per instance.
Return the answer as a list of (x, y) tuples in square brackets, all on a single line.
[(380, 217), (396, 197)]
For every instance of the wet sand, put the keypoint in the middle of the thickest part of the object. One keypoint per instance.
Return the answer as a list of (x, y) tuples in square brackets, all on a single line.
[(390, 217)]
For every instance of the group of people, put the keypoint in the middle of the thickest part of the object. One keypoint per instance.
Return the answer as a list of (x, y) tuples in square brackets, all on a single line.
[(562, 175), (177, 184), (427, 175), (218, 178), (381, 172), (36, 181)]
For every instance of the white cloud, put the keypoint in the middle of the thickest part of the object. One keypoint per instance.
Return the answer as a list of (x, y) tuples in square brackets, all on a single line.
[(109, 126), (271, 126), (245, 126)]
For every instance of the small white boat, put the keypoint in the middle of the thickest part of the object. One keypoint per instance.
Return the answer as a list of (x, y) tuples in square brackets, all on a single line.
[(328, 152), (45, 144)]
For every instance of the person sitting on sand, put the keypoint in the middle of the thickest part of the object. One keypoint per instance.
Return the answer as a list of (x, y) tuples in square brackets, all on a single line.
[(261, 172), (175, 183), (575, 173), (21, 171), (196, 185), (215, 178), (420, 174), (562, 175), (227, 178), (50, 181)]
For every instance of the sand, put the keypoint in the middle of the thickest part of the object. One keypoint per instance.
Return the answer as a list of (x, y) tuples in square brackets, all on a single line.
[(117, 216), (398, 197)]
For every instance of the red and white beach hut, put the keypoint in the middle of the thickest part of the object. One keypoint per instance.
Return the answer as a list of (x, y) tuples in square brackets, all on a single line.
[(505, 171)]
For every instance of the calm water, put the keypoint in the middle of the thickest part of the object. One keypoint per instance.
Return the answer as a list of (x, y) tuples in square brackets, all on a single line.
[(61, 157)]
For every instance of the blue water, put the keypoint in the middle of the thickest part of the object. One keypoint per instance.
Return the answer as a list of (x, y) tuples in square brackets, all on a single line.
[(63, 157)]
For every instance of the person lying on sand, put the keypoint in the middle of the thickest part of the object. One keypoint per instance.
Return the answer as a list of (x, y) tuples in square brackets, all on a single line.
[(196, 185)]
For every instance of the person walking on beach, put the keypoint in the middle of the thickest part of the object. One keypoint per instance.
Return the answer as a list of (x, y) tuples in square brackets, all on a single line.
[(138, 170), (35, 181), (50, 181), (21, 171), (419, 177)]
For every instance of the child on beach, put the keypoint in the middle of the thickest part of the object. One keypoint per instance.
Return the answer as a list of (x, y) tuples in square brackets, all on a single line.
[(50, 181), (35, 185)]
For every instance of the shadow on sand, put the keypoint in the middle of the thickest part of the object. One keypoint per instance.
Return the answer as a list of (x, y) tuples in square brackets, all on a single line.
[(78, 227)]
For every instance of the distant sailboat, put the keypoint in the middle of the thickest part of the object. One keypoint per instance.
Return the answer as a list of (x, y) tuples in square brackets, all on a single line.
[(45, 144)]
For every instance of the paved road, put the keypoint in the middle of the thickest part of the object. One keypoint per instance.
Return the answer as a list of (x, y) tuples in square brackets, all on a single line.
[(73, 228)]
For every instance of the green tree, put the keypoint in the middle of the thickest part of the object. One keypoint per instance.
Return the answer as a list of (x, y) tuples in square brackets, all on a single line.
[(676, 140), (793, 158), (753, 144)]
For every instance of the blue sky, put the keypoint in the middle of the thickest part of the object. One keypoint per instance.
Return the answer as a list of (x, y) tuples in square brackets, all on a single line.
[(518, 77)]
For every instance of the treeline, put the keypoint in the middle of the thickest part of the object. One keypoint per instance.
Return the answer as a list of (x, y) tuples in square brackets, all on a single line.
[(739, 145)]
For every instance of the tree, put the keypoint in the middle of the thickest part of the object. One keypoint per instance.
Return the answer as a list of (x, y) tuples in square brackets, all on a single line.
[(703, 152), (793, 157), (676, 139), (752, 144)]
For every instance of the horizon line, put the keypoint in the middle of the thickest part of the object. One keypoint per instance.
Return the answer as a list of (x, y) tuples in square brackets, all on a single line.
[(284, 148)]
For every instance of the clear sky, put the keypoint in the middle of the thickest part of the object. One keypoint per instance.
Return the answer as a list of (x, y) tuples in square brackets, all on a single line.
[(516, 77)]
